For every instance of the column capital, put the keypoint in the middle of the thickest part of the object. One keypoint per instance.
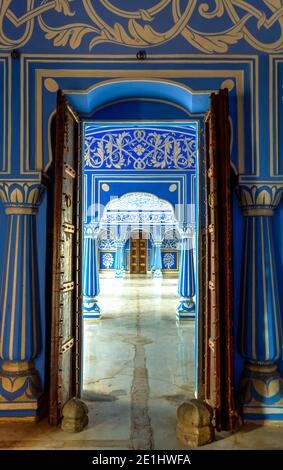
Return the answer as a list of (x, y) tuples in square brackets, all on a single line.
[(21, 197), (187, 231), (91, 231), (258, 199)]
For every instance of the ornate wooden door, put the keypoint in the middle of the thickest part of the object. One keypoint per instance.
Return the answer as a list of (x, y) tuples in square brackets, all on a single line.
[(66, 276), (217, 265), (138, 255)]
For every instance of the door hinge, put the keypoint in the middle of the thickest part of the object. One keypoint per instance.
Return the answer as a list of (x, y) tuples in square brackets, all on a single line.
[(68, 228), (68, 286), (68, 345)]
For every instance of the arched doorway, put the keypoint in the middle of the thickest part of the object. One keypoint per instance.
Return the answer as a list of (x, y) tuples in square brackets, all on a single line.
[(218, 393), (138, 217)]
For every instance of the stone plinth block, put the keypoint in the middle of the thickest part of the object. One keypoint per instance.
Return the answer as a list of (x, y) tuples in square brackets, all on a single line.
[(74, 416), (194, 427)]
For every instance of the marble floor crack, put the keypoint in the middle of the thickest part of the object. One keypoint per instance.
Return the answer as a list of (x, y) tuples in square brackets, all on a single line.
[(141, 430)]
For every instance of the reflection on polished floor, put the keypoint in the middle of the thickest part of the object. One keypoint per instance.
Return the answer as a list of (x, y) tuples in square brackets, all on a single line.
[(138, 361), (138, 366)]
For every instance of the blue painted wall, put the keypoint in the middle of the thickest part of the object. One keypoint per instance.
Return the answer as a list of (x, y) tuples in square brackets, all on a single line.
[(130, 157), (119, 159), (200, 45)]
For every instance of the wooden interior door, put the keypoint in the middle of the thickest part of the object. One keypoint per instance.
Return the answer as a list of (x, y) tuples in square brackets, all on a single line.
[(216, 266), (138, 254), (66, 275)]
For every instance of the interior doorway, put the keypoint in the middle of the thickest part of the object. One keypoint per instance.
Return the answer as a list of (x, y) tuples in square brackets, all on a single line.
[(138, 253), (214, 378), (147, 294)]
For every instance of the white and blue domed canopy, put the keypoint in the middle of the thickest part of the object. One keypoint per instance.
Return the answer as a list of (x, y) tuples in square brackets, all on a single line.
[(138, 208)]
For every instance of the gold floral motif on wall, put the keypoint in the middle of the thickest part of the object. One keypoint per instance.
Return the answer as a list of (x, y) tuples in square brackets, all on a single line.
[(260, 24)]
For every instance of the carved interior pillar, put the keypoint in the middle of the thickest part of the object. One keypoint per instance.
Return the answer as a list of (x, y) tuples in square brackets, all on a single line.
[(90, 283), (20, 329), (157, 260), (186, 286), (124, 261), (152, 257), (260, 330), (119, 259)]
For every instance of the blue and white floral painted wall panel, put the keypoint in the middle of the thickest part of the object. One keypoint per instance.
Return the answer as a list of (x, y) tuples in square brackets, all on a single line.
[(127, 158), (106, 259), (170, 260), (143, 147)]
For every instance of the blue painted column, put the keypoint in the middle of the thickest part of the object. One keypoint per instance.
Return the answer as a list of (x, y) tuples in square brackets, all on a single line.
[(20, 329), (119, 259), (157, 260), (152, 258), (260, 329), (90, 282), (186, 287), (124, 260)]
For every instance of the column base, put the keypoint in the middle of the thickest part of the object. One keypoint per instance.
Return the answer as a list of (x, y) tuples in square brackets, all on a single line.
[(157, 274), (90, 308), (261, 394), (120, 274), (20, 392), (186, 310)]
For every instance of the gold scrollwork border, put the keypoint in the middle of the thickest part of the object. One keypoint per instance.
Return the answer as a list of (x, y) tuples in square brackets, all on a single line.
[(139, 28)]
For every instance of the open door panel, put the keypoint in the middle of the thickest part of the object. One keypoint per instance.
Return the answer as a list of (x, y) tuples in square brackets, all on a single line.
[(66, 283), (217, 268)]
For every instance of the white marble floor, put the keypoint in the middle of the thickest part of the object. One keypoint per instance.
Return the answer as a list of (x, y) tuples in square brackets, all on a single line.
[(138, 367), (138, 361)]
